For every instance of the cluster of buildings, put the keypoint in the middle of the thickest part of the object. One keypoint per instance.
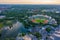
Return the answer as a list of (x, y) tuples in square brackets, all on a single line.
[(26, 37), (47, 19)]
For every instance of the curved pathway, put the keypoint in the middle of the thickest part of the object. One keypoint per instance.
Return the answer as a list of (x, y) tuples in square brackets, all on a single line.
[(56, 35)]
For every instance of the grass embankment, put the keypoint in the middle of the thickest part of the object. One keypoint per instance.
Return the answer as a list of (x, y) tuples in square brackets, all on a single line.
[(1, 25)]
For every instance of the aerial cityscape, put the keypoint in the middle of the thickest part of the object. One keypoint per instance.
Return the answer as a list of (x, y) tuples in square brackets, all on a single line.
[(29, 22)]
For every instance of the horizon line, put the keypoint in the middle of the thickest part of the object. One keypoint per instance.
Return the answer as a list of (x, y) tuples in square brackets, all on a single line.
[(28, 4)]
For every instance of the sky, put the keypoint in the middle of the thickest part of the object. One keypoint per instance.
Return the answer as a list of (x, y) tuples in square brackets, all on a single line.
[(30, 2)]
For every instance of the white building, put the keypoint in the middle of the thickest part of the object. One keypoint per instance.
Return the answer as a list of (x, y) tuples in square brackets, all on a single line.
[(26, 37)]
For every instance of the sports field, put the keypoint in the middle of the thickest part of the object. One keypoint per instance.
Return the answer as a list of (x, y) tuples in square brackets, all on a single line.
[(39, 20)]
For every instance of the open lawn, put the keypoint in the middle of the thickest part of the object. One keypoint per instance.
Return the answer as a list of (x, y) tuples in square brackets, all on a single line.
[(1, 25), (39, 20)]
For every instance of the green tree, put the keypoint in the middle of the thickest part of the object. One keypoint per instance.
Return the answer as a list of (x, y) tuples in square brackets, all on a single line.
[(48, 29), (38, 35)]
